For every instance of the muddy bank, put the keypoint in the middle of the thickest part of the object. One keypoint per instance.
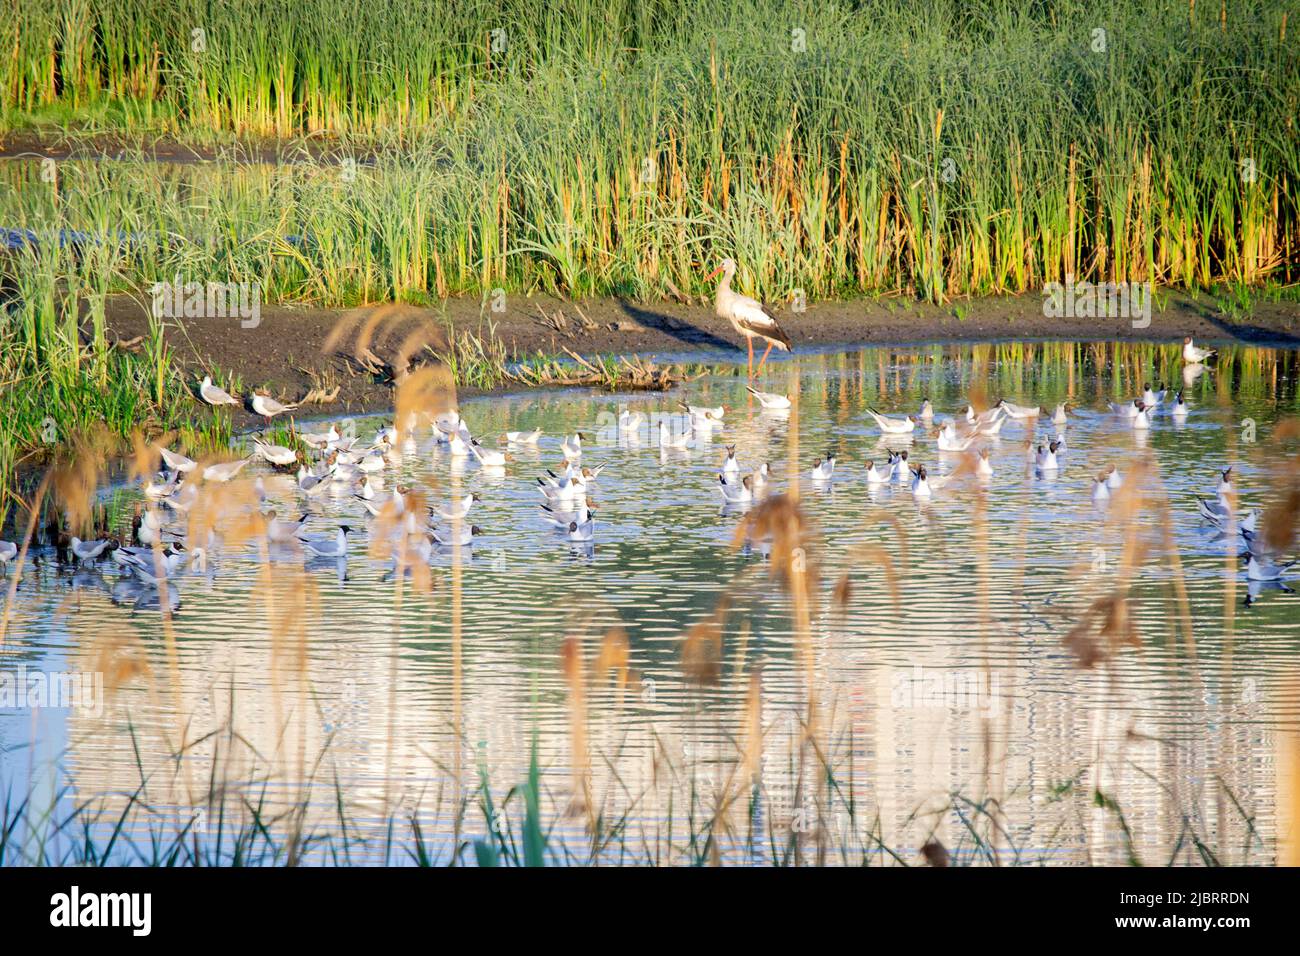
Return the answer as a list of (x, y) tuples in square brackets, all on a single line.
[(285, 352), (92, 145)]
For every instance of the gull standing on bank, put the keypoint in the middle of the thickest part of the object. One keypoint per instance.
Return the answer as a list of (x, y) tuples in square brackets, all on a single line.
[(268, 407), (215, 396)]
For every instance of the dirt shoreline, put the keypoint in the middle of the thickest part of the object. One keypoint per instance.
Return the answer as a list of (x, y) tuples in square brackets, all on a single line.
[(160, 147), (284, 352)]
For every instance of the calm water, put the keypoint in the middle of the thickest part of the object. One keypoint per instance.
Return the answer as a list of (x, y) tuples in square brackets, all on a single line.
[(289, 682)]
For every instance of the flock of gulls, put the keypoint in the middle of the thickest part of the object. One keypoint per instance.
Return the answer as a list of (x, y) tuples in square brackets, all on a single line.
[(339, 466), (345, 468)]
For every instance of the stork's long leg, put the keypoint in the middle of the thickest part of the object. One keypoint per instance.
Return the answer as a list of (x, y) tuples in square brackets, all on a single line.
[(764, 358), (749, 340)]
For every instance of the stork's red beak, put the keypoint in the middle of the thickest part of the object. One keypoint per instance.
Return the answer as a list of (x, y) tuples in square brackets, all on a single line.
[(714, 274)]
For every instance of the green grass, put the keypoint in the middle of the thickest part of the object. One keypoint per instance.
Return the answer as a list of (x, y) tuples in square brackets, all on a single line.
[(523, 824), (62, 379), (955, 148)]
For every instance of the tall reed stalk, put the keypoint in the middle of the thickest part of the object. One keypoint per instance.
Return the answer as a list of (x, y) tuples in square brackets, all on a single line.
[(944, 150)]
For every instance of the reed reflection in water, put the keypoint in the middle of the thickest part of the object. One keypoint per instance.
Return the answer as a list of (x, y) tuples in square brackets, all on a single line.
[(1004, 673)]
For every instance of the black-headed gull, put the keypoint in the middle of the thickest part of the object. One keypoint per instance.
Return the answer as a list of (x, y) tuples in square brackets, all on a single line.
[(449, 423), (524, 438), (183, 498), (87, 552), (277, 455), (706, 422), (923, 485), (8, 551), (312, 484), (446, 537), (893, 426), (582, 532), (458, 445), (281, 530), (1215, 511), (176, 461), (149, 529), (823, 469), (560, 518), (875, 476), (224, 471), (673, 443), (215, 396), (395, 504), (268, 407), (986, 417), (1220, 514), (328, 546), (455, 510), (729, 464), (572, 446), (736, 490), (1152, 398), (713, 415), (365, 490), (629, 421), (899, 470), (950, 441), (1192, 355), (1046, 460), (1180, 407), (320, 440), (164, 485), (151, 566), (770, 400), (1260, 568), (1019, 412), (487, 457), (566, 491)]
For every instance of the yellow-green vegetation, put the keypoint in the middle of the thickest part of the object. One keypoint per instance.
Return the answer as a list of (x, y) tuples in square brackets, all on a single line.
[(944, 148)]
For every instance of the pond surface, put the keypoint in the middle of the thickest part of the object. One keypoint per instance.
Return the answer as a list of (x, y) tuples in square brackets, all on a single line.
[(933, 696)]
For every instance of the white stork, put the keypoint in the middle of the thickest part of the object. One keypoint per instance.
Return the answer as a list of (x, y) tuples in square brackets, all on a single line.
[(747, 316)]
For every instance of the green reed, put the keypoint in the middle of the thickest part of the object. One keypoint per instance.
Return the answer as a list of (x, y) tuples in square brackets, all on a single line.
[(961, 148), (60, 375)]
